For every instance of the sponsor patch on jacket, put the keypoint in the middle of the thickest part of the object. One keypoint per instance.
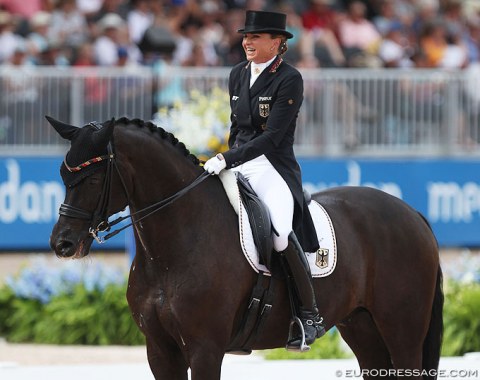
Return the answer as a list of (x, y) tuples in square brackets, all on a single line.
[(264, 98), (264, 109)]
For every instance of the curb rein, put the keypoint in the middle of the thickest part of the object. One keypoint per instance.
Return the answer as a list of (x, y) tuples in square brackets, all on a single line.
[(99, 219)]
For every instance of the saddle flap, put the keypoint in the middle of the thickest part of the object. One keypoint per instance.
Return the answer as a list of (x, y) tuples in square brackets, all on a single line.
[(259, 219)]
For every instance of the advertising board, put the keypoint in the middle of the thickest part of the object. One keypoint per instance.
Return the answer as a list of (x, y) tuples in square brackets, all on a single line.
[(445, 191)]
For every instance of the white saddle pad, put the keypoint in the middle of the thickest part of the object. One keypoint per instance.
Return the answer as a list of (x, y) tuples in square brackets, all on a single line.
[(322, 263)]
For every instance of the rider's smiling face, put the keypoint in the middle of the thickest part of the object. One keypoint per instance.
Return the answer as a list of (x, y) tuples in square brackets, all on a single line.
[(260, 47)]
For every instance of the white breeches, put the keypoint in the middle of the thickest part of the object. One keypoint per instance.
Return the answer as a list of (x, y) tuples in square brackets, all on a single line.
[(272, 189)]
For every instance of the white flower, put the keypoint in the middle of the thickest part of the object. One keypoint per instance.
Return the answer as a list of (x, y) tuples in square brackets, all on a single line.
[(197, 121)]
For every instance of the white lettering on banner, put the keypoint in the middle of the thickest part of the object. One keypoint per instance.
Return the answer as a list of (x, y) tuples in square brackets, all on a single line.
[(450, 202), (32, 202), (354, 178)]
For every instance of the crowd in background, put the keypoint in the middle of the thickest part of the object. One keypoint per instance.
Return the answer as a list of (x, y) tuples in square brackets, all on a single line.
[(328, 33)]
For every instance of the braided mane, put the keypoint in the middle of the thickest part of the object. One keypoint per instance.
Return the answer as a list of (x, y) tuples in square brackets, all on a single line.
[(163, 134)]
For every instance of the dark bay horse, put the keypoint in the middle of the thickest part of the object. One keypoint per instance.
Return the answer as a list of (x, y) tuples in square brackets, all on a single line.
[(189, 283)]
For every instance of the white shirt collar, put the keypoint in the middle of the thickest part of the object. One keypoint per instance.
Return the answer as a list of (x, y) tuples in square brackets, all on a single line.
[(257, 68)]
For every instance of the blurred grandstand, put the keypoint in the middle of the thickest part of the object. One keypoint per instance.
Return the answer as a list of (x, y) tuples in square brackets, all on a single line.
[(408, 85)]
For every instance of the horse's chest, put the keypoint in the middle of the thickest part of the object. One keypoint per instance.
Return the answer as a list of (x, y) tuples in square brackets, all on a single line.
[(149, 307)]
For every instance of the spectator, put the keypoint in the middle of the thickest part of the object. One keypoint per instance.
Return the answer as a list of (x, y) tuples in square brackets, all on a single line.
[(472, 39), (84, 56), (394, 50), (38, 38), (439, 52), (426, 12), (386, 18), (54, 55), (300, 44), (405, 11), (320, 15), (89, 7), (320, 24), (454, 22), (433, 42), (68, 24), (139, 19), (255, 5), (119, 7), (24, 9), (107, 44), (211, 30), (230, 49), (357, 34), (17, 59), (158, 40), (9, 41)]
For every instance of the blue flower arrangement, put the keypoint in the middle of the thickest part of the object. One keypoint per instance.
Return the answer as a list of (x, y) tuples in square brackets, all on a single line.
[(466, 270), (67, 303), (42, 281)]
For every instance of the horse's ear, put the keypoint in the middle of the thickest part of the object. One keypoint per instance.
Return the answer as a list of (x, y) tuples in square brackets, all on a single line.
[(67, 131), (103, 136)]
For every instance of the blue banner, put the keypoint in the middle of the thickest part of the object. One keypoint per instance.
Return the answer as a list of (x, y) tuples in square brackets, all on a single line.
[(445, 191)]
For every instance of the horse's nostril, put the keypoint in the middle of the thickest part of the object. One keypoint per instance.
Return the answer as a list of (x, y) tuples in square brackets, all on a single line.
[(64, 248)]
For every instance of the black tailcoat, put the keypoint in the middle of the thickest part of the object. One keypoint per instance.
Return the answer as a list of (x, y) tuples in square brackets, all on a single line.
[(263, 122)]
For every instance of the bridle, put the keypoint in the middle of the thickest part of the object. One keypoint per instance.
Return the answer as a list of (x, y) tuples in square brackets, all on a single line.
[(99, 219)]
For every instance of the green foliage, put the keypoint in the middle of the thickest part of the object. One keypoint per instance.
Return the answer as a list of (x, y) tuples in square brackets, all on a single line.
[(93, 317), (67, 304), (93, 310), (461, 319), (327, 347), (6, 299)]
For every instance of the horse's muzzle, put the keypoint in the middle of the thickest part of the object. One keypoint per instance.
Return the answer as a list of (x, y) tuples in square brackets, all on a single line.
[(67, 244)]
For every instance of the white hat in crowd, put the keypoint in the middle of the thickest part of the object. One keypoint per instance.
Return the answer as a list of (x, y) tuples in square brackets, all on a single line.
[(111, 20)]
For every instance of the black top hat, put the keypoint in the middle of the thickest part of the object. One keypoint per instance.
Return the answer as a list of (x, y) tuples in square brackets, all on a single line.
[(265, 22)]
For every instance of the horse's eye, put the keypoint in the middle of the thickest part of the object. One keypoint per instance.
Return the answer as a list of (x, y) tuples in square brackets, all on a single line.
[(95, 180)]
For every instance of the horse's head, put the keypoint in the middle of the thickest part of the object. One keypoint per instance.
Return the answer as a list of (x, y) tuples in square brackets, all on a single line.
[(87, 173)]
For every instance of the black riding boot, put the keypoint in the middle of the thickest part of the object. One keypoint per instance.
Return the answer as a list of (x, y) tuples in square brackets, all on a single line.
[(309, 315)]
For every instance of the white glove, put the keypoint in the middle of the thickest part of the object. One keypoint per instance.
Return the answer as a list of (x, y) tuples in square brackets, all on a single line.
[(215, 164)]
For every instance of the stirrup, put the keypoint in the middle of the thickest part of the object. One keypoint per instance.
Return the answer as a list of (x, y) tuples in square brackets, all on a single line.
[(303, 347)]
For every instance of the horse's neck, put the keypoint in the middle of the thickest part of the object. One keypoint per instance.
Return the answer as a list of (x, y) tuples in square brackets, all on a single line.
[(157, 172), (156, 168)]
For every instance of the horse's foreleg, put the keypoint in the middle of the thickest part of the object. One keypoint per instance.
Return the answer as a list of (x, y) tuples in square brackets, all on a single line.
[(166, 361), (206, 364)]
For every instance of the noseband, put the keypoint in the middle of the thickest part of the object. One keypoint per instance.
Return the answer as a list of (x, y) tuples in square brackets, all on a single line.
[(99, 218)]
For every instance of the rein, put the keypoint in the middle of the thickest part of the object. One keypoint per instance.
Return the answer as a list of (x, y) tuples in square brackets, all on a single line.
[(99, 219), (153, 208)]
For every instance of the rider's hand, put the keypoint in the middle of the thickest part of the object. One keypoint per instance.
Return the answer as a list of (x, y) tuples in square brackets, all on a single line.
[(215, 164)]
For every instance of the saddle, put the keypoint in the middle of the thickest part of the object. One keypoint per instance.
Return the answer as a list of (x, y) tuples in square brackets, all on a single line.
[(259, 219)]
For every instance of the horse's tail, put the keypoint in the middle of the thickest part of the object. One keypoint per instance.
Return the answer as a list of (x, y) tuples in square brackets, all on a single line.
[(433, 341)]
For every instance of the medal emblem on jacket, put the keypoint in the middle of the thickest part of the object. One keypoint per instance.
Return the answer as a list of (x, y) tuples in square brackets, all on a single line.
[(264, 109)]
